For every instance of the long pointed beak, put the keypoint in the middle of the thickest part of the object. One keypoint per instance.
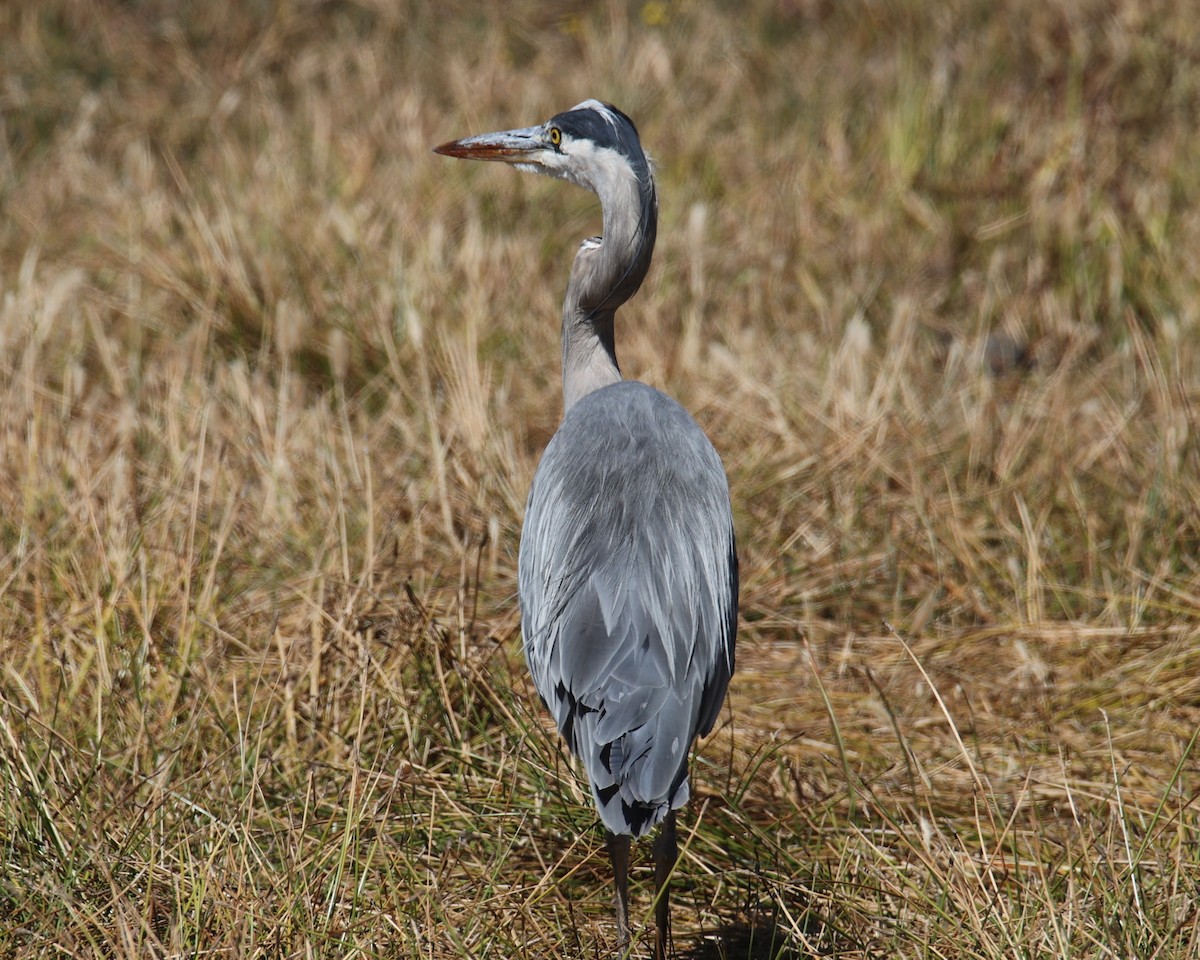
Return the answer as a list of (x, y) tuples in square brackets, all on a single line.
[(507, 146)]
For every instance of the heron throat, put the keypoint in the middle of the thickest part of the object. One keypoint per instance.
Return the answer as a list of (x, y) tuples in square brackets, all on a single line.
[(606, 273)]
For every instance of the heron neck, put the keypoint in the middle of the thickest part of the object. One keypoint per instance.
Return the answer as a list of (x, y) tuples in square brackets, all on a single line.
[(589, 356), (606, 273)]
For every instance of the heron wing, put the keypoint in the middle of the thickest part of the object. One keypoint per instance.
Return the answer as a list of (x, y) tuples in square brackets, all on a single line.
[(628, 582)]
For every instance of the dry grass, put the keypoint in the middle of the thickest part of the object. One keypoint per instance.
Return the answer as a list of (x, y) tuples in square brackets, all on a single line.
[(274, 379)]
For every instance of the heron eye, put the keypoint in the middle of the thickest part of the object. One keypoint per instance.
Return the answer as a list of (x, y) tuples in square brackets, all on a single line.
[(555, 136)]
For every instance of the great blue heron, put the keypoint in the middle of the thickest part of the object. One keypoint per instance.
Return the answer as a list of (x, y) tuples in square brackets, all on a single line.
[(628, 574)]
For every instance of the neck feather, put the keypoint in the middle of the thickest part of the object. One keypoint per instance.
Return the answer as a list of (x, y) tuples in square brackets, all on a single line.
[(606, 273)]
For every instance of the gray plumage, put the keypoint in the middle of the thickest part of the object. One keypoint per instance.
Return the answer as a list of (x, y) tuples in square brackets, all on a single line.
[(627, 580), (628, 573)]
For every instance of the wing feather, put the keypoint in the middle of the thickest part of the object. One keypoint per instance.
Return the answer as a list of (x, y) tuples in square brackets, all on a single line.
[(628, 583)]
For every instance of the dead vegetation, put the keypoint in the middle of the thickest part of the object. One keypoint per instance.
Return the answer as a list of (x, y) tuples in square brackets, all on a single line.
[(274, 379)]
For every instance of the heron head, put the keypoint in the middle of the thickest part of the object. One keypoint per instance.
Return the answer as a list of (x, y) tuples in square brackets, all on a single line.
[(593, 145)]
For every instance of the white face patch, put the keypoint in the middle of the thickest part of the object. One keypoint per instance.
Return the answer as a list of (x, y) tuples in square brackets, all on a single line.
[(589, 166)]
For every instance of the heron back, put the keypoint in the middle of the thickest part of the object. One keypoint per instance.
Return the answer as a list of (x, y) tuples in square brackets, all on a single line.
[(628, 584)]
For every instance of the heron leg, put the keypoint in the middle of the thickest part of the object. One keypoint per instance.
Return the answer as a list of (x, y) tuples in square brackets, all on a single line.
[(618, 852), (666, 853)]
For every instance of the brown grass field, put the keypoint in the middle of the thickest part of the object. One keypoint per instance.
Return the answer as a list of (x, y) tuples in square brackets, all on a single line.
[(274, 380)]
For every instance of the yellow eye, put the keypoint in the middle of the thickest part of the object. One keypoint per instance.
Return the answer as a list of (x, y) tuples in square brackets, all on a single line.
[(555, 136)]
